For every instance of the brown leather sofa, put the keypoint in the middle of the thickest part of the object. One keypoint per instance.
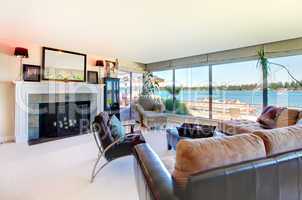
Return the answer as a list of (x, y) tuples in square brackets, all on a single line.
[(266, 165)]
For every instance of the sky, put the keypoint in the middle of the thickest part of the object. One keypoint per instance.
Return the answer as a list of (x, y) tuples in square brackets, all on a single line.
[(235, 73)]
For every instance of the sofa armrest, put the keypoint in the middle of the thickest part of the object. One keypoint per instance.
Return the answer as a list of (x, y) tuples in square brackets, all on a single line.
[(139, 109), (159, 180)]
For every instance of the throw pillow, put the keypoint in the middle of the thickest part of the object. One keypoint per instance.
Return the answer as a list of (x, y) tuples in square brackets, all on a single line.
[(117, 129), (287, 117), (299, 122), (268, 116)]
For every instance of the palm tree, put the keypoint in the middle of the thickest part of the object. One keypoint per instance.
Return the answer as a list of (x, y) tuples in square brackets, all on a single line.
[(150, 85), (265, 67), (169, 89)]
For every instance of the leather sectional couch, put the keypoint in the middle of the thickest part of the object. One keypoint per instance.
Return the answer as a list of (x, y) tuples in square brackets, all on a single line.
[(263, 165), (283, 117)]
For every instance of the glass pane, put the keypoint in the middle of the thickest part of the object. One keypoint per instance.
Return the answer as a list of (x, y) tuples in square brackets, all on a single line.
[(124, 94), (165, 79), (192, 91), (283, 90), (237, 91), (137, 85)]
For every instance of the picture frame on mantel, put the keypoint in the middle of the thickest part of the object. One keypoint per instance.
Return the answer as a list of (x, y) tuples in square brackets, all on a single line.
[(31, 73), (92, 77), (110, 68), (62, 65)]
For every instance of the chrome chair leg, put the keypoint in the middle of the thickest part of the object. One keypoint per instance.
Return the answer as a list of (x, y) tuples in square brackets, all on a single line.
[(100, 155), (96, 173)]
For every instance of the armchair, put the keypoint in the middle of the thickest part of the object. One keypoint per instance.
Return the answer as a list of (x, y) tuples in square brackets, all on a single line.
[(108, 147), (150, 111)]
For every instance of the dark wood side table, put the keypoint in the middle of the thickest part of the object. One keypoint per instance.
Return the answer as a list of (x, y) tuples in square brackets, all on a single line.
[(131, 124)]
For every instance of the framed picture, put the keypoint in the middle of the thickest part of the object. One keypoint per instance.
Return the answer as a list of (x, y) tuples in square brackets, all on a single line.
[(31, 73), (61, 65), (110, 68), (92, 77)]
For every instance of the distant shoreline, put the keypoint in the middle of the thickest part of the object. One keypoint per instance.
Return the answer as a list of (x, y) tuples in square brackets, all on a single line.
[(215, 89)]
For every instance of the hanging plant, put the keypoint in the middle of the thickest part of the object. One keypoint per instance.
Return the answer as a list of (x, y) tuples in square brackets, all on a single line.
[(266, 67), (264, 63)]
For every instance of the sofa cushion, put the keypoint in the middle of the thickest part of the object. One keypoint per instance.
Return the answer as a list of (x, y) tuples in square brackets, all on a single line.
[(281, 140), (199, 155), (287, 117), (300, 116), (233, 127), (268, 116)]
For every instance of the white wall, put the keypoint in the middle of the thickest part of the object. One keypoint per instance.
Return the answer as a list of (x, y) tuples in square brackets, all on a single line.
[(9, 71)]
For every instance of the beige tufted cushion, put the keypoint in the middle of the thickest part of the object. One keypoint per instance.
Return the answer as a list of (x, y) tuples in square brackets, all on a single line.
[(287, 117), (233, 127), (198, 155), (281, 140)]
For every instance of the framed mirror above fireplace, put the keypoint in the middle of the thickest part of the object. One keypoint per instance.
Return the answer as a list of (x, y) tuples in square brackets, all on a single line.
[(61, 65)]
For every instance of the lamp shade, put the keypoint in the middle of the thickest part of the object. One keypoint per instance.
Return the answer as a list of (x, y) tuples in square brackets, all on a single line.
[(21, 52), (99, 63)]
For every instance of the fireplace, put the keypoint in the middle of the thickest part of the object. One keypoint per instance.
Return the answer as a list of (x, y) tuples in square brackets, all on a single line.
[(45, 111), (64, 119)]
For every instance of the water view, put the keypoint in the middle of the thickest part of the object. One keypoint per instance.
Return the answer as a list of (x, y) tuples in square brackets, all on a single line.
[(280, 98)]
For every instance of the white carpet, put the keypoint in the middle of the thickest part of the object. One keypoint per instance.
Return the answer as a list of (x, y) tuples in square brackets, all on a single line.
[(60, 170)]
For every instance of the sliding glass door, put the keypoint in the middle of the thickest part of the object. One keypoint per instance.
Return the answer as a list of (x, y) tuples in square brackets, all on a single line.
[(192, 91), (237, 91), (130, 88)]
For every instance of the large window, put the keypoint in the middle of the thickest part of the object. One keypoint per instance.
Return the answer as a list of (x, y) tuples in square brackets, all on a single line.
[(130, 88), (283, 90), (233, 90), (237, 91), (137, 85), (124, 89), (192, 91), (165, 80)]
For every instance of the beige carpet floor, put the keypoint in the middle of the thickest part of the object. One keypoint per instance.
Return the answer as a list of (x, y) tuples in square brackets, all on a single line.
[(60, 170)]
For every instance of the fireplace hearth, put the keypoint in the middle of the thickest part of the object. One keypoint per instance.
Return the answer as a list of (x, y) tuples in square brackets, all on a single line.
[(62, 119)]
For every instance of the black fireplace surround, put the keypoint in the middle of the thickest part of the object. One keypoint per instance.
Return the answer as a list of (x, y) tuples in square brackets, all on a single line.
[(63, 119)]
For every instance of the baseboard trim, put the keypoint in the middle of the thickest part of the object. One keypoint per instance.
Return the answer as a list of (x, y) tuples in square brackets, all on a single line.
[(7, 139)]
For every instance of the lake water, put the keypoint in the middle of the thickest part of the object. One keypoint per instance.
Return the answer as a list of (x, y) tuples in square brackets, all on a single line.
[(281, 98)]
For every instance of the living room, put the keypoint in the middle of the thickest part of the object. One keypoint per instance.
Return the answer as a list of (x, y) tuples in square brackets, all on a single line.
[(155, 100)]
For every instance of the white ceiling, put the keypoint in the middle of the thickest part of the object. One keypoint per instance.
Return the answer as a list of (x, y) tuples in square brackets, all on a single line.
[(149, 30)]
